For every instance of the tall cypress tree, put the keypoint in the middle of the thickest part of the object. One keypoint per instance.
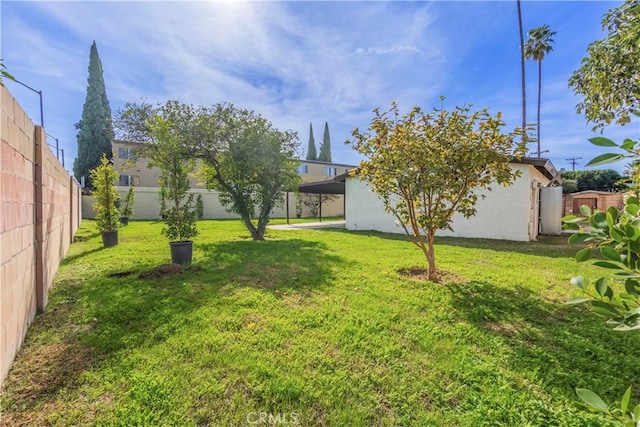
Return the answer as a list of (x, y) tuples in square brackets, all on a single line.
[(311, 151), (325, 148), (95, 128)]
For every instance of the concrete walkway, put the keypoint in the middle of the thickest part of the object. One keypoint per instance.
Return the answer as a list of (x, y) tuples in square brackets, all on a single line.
[(323, 224)]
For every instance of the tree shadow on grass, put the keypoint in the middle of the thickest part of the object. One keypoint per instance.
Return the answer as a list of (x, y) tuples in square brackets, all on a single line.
[(101, 317), (565, 346), (548, 246), (70, 259), (290, 265)]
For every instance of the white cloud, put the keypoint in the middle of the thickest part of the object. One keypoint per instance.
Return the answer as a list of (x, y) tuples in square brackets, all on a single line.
[(387, 51), (293, 62)]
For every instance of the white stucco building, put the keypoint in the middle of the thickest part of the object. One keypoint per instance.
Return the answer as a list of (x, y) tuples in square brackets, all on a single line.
[(531, 205)]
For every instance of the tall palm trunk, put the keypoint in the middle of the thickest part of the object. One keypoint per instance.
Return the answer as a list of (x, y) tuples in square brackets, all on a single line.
[(539, 97), (522, 68)]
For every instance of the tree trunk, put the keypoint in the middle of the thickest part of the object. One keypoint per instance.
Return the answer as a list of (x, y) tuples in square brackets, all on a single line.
[(252, 229), (432, 273), (522, 68), (259, 234), (539, 98)]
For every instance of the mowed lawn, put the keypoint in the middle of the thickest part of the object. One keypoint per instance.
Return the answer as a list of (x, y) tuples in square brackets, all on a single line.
[(315, 328)]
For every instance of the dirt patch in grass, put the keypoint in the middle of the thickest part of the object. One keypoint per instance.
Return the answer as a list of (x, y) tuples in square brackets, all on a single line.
[(421, 274), (121, 273), (32, 417), (37, 376), (506, 329), (165, 270), (298, 300)]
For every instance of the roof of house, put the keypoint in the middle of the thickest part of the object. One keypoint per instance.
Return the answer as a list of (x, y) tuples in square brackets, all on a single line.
[(544, 166), (592, 192), (328, 186), (336, 184)]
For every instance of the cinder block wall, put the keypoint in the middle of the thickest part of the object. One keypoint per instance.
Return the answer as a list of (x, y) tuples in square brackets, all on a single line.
[(147, 205), (40, 210), (603, 200)]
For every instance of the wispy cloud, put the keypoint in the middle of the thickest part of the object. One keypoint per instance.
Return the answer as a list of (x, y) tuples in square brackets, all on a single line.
[(293, 62), (387, 51)]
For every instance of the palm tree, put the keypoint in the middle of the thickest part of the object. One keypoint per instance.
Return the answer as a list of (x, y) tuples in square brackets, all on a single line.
[(524, 86), (538, 45)]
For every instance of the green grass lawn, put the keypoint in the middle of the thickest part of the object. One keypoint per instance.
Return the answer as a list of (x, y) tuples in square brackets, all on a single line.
[(316, 327)]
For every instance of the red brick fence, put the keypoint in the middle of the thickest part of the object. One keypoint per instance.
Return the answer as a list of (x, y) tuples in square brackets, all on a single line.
[(40, 210)]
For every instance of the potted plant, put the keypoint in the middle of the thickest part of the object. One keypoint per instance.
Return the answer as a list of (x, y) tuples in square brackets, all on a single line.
[(179, 212), (105, 196), (127, 206)]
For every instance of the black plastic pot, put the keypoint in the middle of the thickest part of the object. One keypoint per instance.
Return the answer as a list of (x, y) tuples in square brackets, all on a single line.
[(124, 220), (109, 238), (181, 252)]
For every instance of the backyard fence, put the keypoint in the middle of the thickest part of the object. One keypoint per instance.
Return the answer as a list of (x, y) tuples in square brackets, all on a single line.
[(147, 205), (40, 210)]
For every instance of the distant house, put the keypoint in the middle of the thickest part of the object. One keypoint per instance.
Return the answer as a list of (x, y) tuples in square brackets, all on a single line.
[(530, 206), (135, 172)]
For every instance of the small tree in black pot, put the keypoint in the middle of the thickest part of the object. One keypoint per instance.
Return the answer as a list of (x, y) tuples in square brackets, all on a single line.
[(105, 196), (127, 207), (179, 213)]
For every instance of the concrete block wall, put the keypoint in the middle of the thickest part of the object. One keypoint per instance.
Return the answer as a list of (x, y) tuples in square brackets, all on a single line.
[(17, 216), (147, 205), (603, 200), (39, 213)]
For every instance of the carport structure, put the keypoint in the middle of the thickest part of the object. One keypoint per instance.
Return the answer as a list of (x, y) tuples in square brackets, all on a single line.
[(328, 186)]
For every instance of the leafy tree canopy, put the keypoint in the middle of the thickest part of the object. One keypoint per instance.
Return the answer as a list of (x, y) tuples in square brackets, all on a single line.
[(427, 166), (609, 77), (597, 180), (244, 157)]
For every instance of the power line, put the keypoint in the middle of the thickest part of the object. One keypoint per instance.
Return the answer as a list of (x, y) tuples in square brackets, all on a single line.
[(573, 162)]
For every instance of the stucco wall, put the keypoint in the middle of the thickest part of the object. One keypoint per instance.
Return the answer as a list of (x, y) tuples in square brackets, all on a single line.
[(147, 205), (505, 213)]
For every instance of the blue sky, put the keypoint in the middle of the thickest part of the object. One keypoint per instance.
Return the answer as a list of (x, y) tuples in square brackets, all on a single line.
[(302, 62)]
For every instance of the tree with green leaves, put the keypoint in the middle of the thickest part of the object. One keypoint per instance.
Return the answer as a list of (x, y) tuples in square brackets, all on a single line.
[(168, 155), (105, 195), (426, 167), (609, 77), (631, 178), (615, 296), (609, 81), (311, 149), (244, 157), (538, 45), (95, 129), (325, 148), (596, 180)]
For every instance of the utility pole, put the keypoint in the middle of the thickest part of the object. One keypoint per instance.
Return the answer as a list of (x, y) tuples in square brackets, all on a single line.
[(573, 162)]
